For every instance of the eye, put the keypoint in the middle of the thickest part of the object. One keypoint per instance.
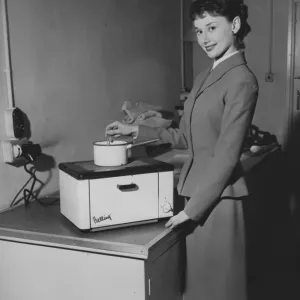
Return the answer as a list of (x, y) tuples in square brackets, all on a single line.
[(211, 28), (198, 32)]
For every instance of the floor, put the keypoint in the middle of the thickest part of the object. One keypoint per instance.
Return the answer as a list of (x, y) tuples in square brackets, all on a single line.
[(275, 286), (278, 277), (273, 229)]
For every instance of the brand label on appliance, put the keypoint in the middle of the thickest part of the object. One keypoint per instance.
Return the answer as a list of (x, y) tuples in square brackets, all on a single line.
[(102, 218)]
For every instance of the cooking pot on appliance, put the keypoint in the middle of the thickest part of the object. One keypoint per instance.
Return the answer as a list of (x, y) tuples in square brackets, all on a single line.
[(114, 153)]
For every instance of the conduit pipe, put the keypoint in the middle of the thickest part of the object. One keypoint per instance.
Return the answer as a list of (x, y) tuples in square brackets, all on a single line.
[(182, 46), (7, 66), (269, 74)]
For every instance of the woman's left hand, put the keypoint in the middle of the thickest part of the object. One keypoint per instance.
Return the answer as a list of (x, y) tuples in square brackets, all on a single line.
[(177, 219)]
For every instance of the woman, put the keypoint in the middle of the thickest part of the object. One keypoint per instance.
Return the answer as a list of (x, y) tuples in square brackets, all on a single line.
[(216, 119)]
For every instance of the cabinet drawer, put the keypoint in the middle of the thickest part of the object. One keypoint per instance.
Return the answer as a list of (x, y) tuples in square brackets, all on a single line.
[(123, 199)]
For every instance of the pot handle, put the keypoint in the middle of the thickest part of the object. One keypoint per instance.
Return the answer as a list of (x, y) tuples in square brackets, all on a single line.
[(142, 143), (127, 187)]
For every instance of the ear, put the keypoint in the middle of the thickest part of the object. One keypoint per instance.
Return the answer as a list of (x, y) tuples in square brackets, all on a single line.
[(236, 25)]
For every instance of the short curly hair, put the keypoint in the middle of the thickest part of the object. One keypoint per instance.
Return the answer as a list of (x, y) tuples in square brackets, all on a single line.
[(226, 8)]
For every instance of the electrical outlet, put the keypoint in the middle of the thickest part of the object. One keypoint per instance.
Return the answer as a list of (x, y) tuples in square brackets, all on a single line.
[(12, 151), (14, 123), (269, 77)]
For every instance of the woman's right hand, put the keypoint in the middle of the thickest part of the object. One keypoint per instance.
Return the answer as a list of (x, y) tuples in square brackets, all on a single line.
[(118, 128)]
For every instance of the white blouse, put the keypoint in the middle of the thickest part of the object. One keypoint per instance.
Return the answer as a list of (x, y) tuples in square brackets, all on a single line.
[(216, 62)]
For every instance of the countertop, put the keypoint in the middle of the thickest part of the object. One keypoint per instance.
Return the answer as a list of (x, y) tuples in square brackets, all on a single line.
[(248, 160), (46, 226), (43, 225)]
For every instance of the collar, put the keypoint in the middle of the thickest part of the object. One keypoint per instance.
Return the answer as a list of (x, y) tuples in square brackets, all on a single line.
[(226, 65), (224, 57)]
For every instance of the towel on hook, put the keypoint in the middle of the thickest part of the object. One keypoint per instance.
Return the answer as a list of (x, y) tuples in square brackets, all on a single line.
[(142, 113)]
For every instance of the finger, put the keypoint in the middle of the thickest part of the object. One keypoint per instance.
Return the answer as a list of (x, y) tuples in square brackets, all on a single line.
[(174, 225), (170, 222), (113, 132), (112, 126)]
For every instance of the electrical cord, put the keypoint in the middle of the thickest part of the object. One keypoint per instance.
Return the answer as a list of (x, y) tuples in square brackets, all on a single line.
[(28, 194)]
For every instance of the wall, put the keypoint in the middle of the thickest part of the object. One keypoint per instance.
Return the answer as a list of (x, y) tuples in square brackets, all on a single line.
[(272, 106), (271, 110), (74, 63)]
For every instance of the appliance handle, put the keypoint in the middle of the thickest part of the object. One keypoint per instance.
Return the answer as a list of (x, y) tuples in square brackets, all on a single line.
[(128, 187), (142, 143), (298, 99)]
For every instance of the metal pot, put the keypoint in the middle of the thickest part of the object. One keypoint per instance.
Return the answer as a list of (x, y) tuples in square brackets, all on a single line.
[(111, 154)]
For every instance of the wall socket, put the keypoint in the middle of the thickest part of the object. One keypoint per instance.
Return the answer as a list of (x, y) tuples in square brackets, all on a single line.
[(14, 123), (12, 151), (269, 77)]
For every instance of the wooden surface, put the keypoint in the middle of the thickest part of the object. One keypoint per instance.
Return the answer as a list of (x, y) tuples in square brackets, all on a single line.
[(46, 226)]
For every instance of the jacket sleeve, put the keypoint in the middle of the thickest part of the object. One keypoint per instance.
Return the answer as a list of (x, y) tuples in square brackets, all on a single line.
[(175, 136), (240, 102)]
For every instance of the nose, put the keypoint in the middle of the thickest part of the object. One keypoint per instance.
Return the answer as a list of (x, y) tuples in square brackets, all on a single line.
[(204, 39)]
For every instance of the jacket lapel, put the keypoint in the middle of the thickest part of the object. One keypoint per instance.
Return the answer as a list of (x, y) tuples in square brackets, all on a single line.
[(188, 108), (221, 69), (209, 78)]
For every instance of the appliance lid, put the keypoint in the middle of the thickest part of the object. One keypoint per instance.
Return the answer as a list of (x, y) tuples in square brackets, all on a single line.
[(88, 170)]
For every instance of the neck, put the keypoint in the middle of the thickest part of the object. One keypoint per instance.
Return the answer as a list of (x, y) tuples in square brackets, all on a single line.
[(230, 50)]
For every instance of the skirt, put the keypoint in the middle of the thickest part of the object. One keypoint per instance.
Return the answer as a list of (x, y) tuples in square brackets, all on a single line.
[(216, 256)]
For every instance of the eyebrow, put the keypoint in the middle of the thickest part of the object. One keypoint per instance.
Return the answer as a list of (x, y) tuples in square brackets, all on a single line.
[(210, 23), (206, 25)]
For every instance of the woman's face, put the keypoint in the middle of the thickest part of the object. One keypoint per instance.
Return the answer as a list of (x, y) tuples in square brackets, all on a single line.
[(215, 34)]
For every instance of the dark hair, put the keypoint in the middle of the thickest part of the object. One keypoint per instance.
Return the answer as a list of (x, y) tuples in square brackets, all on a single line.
[(226, 8)]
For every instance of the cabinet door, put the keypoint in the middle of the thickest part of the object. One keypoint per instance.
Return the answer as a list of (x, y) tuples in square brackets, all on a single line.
[(123, 199), (165, 275), (45, 273)]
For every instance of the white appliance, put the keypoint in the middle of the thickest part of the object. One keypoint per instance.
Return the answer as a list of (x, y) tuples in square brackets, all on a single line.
[(97, 198)]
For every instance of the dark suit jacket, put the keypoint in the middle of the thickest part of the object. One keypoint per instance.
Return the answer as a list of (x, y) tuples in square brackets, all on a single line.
[(216, 119)]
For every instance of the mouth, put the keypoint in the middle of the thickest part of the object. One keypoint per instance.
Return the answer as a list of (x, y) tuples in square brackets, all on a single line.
[(210, 48)]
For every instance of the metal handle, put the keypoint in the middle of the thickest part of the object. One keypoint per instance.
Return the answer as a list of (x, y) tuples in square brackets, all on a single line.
[(298, 99), (142, 143), (127, 187)]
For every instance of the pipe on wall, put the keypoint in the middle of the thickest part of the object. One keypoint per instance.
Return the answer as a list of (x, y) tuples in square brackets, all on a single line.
[(182, 46), (271, 6), (269, 76), (7, 67)]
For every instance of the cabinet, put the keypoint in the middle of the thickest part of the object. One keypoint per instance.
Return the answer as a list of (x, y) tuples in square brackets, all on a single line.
[(43, 256), (166, 274), (38, 272)]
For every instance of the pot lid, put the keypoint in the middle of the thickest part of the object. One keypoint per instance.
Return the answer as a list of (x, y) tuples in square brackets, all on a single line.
[(88, 170)]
